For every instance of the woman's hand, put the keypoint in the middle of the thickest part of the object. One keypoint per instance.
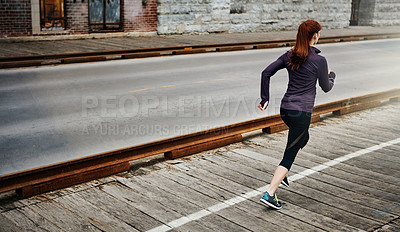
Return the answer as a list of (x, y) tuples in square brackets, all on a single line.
[(329, 71), (261, 107)]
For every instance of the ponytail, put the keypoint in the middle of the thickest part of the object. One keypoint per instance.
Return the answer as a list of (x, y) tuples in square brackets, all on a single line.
[(302, 47)]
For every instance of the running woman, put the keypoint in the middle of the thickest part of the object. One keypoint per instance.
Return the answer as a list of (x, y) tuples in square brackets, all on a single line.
[(305, 67)]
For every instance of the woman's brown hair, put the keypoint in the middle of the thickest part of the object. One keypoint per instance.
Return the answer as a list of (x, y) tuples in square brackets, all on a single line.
[(301, 50)]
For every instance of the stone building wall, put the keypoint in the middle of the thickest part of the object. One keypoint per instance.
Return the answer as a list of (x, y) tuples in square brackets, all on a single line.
[(387, 13), (210, 16)]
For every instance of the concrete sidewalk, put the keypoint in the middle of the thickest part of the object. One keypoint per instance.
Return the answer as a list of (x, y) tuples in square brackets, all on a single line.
[(12, 47)]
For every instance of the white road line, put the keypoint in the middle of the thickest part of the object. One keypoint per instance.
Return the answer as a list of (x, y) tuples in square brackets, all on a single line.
[(220, 206)]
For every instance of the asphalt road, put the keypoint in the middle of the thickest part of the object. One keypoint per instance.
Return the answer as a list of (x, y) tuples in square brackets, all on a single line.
[(57, 113)]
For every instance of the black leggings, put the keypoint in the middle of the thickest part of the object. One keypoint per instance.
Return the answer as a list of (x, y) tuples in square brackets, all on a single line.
[(298, 123)]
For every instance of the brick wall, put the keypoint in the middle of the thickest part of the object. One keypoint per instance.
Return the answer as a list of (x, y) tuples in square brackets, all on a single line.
[(140, 17), (77, 16), (15, 18)]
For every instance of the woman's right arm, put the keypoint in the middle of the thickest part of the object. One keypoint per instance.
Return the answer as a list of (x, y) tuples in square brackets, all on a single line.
[(265, 80)]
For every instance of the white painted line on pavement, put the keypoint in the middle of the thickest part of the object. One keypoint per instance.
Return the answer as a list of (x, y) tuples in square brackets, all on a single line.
[(220, 206)]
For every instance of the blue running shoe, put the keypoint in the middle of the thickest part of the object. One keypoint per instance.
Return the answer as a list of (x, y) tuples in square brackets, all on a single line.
[(271, 201), (285, 181)]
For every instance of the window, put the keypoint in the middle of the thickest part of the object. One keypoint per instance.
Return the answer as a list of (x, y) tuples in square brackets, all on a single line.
[(52, 15), (104, 15)]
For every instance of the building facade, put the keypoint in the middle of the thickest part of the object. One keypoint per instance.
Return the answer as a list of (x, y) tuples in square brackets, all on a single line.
[(69, 17), (21, 18)]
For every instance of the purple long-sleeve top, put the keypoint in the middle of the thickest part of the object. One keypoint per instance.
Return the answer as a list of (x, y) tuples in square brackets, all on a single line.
[(301, 90)]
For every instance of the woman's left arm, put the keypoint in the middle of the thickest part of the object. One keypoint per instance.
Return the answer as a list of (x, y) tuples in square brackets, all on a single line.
[(326, 78)]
